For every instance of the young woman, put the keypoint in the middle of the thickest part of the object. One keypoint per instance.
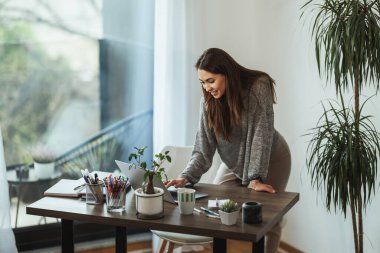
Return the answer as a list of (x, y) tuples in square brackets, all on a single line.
[(237, 121)]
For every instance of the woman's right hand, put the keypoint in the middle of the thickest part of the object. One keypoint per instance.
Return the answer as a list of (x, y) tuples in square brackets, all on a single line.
[(177, 183), (260, 187)]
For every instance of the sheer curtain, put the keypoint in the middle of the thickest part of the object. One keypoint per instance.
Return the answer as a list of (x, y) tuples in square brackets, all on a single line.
[(175, 116), (7, 239), (174, 113)]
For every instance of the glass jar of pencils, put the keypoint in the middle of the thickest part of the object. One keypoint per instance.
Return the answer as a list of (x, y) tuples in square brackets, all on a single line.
[(116, 189), (94, 194)]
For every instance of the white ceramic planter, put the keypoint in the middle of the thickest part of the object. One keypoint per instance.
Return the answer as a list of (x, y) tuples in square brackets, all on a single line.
[(228, 218), (149, 206), (44, 170)]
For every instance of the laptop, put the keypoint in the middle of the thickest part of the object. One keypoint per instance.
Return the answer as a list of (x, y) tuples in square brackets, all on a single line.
[(136, 177)]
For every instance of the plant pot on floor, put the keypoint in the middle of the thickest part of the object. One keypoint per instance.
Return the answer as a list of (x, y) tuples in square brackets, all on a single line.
[(228, 218), (149, 206)]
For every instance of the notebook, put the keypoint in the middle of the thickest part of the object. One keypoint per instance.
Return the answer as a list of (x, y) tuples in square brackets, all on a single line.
[(136, 177), (64, 188)]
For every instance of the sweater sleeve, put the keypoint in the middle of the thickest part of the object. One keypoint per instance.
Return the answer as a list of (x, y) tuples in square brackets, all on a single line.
[(203, 152), (260, 129)]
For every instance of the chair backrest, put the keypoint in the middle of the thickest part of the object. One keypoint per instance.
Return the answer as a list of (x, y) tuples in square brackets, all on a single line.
[(180, 157)]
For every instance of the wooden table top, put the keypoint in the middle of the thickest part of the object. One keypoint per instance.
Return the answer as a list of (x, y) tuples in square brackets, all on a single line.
[(274, 208)]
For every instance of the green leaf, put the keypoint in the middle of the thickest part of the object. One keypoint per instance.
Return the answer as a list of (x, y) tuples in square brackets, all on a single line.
[(348, 34), (146, 174), (341, 156)]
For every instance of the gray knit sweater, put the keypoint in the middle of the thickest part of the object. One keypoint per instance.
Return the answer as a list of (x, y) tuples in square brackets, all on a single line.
[(248, 151)]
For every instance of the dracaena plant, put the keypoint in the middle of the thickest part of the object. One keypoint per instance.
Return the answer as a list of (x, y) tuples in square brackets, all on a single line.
[(342, 154), (156, 169)]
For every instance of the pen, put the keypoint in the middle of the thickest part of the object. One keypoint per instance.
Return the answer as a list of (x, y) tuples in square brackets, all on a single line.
[(85, 176), (212, 216), (197, 210), (209, 211), (77, 188), (90, 178)]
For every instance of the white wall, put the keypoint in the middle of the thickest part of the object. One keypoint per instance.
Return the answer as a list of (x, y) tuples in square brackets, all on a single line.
[(268, 35)]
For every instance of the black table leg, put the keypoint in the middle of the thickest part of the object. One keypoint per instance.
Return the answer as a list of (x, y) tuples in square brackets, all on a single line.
[(18, 204), (67, 236), (121, 239), (258, 247), (19, 191), (220, 245)]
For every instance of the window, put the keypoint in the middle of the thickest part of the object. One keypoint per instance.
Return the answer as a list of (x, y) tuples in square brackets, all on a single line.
[(49, 73), (70, 71)]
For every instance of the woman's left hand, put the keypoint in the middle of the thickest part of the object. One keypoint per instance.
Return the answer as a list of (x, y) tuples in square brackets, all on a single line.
[(261, 187)]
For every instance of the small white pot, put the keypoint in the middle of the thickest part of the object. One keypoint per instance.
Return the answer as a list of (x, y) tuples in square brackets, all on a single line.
[(149, 206), (228, 218), (44, 170)]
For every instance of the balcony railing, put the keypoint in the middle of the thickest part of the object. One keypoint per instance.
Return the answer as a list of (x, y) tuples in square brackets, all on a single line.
[(114, 142)]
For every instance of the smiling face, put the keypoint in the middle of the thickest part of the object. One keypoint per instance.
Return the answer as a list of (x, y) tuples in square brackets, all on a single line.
[(215, 84)]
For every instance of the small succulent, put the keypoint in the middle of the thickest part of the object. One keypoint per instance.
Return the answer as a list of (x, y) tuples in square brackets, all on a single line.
[(229, 206)]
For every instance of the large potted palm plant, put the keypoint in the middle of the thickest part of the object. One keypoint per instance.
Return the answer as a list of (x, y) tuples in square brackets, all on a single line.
[(342, 154)]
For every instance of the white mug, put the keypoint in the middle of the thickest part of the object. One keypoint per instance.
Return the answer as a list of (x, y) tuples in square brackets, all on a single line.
[(186, 200)]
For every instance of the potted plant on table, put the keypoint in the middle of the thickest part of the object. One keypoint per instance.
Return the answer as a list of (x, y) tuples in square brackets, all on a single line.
[(44, 163), (149, 199), (229, 212), (344, 147)]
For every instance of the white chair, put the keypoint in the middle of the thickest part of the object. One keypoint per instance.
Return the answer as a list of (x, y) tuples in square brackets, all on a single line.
[(180, 157)]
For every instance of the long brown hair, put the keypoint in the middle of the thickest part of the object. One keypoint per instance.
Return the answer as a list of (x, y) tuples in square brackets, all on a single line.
[(226, 111)]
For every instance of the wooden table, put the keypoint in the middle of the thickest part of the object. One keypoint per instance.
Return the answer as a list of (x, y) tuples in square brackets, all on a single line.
[(275, 206)]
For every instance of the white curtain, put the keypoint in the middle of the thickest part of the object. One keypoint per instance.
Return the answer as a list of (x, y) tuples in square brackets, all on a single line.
[(174, 75), (7, 239), (173, 90)]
